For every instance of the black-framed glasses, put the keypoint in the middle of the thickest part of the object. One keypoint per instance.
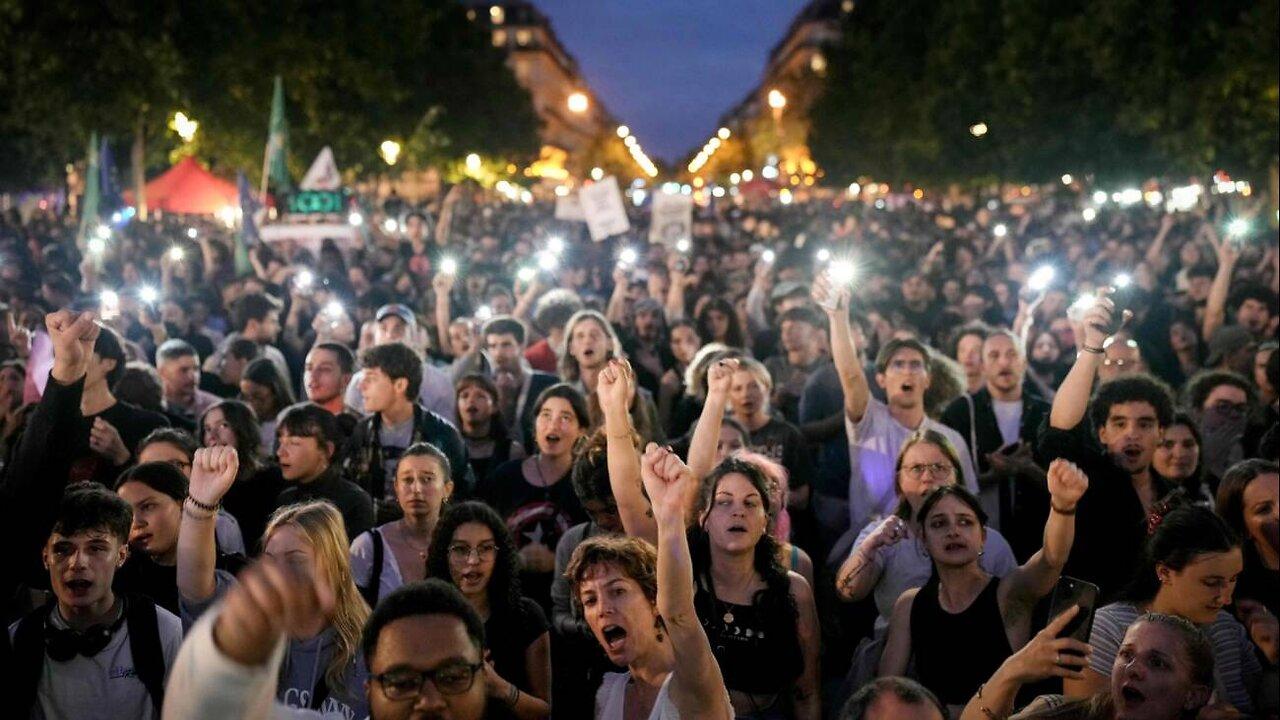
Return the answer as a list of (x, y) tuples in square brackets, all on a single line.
[(450, 679)]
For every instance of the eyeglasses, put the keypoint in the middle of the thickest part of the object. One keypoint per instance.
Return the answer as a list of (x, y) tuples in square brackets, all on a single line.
[(463, 553), (907, 366), (451, 679), (937, 470)]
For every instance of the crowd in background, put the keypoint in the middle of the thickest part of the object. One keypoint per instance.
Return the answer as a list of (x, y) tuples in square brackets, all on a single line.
[(871, 440)]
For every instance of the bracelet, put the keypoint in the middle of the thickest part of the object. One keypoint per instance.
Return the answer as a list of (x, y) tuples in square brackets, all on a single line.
[(1091, 350), (984, 709), (197, 516), (514, 697), (204, 506), (1060, 511)]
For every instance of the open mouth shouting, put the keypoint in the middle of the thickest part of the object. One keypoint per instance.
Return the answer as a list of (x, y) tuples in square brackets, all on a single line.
[(472, 579), (613, 637), (79, 586), (955, 547), (1131, 697)]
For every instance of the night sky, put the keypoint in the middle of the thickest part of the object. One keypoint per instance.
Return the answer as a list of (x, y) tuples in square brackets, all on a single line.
[(670, 68)]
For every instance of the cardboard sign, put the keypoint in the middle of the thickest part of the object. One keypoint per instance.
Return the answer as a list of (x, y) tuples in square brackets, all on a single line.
[(569, 207), (603, 208), (672, 218)]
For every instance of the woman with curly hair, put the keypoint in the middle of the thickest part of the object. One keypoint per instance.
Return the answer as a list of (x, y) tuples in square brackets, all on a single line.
[(473, 550)]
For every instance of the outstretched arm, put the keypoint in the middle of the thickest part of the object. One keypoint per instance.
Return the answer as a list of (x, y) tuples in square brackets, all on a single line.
[(1215, 309), (1027, 584), (212, 472), (615, 387), (706, 436), (843, 350), (697, 687), (1072, 400)]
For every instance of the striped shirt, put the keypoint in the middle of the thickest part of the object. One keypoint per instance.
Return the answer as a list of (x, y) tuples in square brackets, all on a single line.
[(1236, 668)]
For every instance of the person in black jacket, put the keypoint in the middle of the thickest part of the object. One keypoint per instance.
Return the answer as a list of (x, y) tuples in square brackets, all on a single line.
[(389, 383), (1000, 422), (1128, 417)]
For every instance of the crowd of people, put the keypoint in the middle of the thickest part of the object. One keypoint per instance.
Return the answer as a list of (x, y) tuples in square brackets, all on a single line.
[(836, 457)]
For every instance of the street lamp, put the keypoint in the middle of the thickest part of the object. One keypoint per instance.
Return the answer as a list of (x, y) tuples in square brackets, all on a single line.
[(777, 100), (623, 131), (978, 130), (578, 102)]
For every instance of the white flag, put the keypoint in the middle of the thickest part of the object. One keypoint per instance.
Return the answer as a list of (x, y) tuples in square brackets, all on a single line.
[(323, 174), (672, 218), (603, 208)]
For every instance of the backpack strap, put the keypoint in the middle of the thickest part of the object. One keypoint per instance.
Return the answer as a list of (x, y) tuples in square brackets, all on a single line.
[(319, 694), (973, 432), (27, 657), (144, 645), (370, 591)]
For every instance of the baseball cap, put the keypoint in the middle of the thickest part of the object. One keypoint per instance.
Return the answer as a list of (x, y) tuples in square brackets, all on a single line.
[(398, 310)]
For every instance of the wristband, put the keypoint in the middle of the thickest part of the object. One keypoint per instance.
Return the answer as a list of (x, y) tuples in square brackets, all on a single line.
[(1091, 350), (204, 506), (186, 510), (1060, 511), (514, 697)]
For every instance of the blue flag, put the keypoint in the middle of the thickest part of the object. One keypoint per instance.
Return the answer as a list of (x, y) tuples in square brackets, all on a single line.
[(249, 206)]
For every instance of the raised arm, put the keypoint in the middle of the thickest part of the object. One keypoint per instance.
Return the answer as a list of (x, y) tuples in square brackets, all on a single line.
[(843, 350), (614, 387), (442, 283), (706, 436), (1215, 309), (697, 687), (859, 573), (212, 472), (1045, 656), (616, 311), (1155, 252), (1027, 584), (1072, 399)]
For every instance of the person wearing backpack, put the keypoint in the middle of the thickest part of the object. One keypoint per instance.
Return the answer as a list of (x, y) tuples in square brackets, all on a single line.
[(90, 653)]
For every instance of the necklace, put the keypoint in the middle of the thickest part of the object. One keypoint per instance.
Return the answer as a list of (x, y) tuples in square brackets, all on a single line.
[(407, 538)]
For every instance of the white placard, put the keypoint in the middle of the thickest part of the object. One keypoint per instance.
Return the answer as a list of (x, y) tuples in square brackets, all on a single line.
[(672, 218), (603, 208), (569, 207), (323, 174)]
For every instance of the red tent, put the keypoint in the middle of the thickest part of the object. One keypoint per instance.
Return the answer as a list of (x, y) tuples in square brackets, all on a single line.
[(188, 188)]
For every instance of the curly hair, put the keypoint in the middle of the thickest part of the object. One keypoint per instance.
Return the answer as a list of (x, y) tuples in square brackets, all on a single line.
[(1131, 388), (504, 583), (633, 557), (1203, 383)]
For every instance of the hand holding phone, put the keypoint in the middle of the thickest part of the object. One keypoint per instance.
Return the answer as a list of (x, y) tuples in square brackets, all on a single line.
[(1071, 592)]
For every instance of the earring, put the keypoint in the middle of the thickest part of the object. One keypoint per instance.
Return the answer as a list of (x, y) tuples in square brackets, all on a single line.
[(659, 626)]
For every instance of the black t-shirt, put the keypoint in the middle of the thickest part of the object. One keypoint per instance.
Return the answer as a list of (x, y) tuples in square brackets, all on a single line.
[(130, 421), (508, 634), (782, 442), (533, 515), (251, 500)]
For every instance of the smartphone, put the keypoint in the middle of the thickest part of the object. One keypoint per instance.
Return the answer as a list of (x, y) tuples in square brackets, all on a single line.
[(1071, 591), (1011, 448)]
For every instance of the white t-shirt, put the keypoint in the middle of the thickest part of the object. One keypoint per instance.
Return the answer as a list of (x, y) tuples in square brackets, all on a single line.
[(362, 562), (436, 393), (874, 443), (106, 685), (1008, 418)]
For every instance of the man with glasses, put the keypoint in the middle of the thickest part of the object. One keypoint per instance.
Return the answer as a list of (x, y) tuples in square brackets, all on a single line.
[(423, 646), (877, 430)]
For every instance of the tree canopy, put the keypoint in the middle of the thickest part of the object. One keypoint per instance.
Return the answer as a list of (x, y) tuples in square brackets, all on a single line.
[(355, 74), (1121, 89)]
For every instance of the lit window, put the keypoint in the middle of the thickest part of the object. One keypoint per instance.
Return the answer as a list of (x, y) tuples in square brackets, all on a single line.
[(523, 37), (499, 38), (497, 15)]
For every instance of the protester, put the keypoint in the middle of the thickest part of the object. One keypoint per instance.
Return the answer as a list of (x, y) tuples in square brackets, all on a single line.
[(484, 429), (1190, 567), (1249, 502), (179, 449), (305, 448), (518, 385), (473, 550), (254, 317), (268, 393), (1177, 459), (252, 499), (179, 367), (395, 553)]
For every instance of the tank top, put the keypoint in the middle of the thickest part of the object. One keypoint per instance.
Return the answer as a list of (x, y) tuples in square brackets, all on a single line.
[(758, 651), (611, 699), (955, 653)]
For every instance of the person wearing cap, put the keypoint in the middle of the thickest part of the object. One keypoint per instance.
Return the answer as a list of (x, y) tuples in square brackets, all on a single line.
[(801, 355), (1231, 348), (786, 295), (397, 323)]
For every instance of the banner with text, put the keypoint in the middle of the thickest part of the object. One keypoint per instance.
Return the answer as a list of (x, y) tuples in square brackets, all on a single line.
[(605, 213)]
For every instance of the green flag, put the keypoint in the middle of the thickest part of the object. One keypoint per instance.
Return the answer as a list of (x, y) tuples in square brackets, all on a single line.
[(92, 193), (275, 168)]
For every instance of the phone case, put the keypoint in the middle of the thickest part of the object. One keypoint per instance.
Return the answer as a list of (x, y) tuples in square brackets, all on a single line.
[(1072, 591)]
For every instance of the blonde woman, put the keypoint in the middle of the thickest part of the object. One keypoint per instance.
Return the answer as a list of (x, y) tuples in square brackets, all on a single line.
[(589, 344), (322, 668)]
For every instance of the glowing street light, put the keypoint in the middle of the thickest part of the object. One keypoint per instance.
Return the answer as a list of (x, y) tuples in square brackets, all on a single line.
[(473, 163), (390, 151), (978, 129), (777, 100), (184, 126), (623, 131), (578, 102), (723, 133)]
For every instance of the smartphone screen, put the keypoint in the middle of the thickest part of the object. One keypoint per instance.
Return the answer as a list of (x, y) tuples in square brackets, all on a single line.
[(1070, 591)]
